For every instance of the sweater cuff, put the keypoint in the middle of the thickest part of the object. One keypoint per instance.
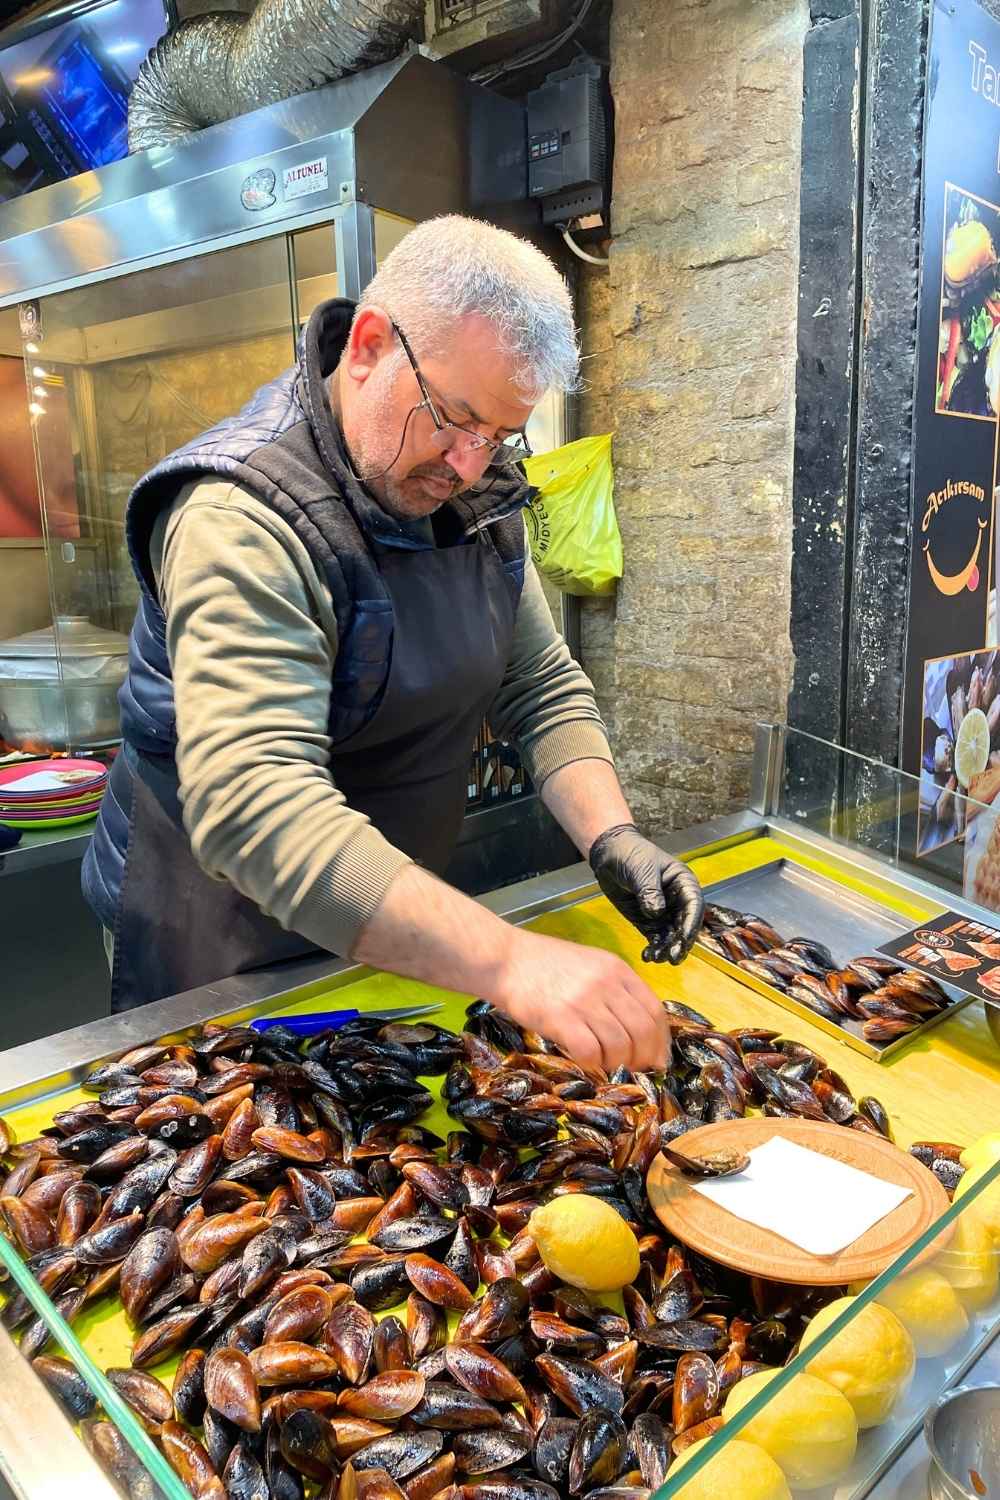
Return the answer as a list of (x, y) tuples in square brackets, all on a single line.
[(581, 739), (349, 891)]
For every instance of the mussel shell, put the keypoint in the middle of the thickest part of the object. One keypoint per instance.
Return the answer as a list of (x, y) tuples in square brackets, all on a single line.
[(485, 1452), (651, 1445), (453, 1408), (300, 1314), (382, 1283), (188, 1389), (196, 1167), (553, 1445), (598, 1451), (190, 1462), (147, 1396), (428, 1482), (243, 1477), (111, 1242), (150, 1265), (231, 1389), (168, 1335), (580, 1385), (350, 1338), (482, 1373), (78, 1208), (387, 1397), (66, 1383), (399, 1453), (290, 1363), (415, 1233)]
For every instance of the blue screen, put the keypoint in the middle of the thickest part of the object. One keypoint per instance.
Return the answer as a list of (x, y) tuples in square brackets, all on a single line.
[(91, 109), (64, 93)]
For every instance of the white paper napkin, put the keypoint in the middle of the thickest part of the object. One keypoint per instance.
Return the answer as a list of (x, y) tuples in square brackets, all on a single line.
[(817, 1203)]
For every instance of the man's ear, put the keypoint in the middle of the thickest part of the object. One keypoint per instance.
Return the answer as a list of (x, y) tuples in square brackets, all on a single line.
[(371, 337)]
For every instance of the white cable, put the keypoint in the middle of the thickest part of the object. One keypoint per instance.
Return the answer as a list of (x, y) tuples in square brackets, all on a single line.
[(593, 260)]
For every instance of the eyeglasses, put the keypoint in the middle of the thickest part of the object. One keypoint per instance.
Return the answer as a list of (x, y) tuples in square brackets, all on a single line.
[(452, 435)]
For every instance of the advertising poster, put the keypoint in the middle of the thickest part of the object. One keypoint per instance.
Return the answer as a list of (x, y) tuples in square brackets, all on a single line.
[(951, 709)]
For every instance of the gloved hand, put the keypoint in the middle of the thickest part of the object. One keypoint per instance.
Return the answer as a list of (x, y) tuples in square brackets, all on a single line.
[(659, 895)]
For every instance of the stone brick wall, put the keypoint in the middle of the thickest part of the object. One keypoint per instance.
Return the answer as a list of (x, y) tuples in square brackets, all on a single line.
[(690, 357)]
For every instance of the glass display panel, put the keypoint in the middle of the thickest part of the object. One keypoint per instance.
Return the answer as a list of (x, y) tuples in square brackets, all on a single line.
[(313, 254), (932, 826), (118, 374)]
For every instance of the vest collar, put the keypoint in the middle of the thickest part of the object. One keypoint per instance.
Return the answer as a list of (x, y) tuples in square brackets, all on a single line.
[(320, 347)]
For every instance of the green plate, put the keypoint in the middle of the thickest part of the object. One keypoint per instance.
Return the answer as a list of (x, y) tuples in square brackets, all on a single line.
[(47, 822)]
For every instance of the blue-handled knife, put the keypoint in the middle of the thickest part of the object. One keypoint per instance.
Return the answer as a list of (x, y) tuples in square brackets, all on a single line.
[(332, 1020)]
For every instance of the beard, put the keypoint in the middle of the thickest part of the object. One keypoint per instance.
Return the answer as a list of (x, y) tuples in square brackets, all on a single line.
[(406, 495)]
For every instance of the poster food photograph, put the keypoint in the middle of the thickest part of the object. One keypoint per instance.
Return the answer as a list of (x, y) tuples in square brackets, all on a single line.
[(951, 711)]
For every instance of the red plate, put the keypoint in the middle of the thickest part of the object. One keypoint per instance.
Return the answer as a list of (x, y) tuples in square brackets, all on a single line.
[(72, 777)]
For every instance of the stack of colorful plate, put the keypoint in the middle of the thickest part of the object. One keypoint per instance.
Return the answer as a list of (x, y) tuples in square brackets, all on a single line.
[(51, 793)]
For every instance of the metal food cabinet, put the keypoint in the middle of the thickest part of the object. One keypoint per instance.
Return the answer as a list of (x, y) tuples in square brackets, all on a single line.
[(945, 1085)]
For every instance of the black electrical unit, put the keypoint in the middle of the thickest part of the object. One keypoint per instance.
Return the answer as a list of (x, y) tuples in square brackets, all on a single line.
[(568, 143)]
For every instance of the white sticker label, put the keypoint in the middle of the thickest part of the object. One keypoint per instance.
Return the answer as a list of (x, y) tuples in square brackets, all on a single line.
[(309, 177)]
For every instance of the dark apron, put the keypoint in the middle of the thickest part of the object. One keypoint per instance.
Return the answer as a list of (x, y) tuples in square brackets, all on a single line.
[(453, 622)]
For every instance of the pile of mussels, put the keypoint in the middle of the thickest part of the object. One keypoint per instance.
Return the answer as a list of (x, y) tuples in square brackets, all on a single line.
[(888, 999), (254, 1203)]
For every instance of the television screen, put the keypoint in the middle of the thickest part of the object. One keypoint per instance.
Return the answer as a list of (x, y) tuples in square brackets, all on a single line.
[(64, 93)]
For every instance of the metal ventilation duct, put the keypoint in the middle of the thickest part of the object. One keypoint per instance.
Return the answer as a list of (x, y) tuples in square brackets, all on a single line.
[(222, 65)]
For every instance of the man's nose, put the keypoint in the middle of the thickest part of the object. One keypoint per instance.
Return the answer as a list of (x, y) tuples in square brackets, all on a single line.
[(468, 463)]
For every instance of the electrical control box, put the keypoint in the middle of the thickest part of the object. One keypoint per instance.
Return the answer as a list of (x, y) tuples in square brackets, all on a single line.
[(471, 33), (568, 142)]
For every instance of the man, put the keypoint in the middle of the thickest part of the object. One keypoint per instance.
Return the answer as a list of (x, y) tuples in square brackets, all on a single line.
[(334, 590)]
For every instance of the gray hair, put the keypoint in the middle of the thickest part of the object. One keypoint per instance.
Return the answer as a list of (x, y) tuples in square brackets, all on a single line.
[(449, 267)]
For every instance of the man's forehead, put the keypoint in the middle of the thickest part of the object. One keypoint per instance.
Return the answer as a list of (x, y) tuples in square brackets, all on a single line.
[(474, 373)]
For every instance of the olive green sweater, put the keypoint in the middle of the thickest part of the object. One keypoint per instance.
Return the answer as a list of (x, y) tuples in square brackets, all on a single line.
[(252, 640)]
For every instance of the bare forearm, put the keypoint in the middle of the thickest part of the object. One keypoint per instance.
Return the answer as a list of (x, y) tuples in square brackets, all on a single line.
[(425, 929), (585, 798)]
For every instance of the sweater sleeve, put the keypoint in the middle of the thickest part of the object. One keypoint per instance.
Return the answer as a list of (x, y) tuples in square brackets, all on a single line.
[(546, 703), (252, 642)]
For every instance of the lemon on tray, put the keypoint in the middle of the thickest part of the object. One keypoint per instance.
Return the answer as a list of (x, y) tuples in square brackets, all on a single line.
[(927, 1305), (972, 748), (871, 1361), (983, 1152), (986, 1207), (971, 1263), (584, 1242), (742, 1471), (808, 1428)]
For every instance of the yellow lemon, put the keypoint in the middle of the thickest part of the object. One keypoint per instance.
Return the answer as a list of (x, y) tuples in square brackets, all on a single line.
[(742, 1471), (971, 1262), (928, 1307), (987, 1206), (986, 1149), (584, 1241), (972, 748), (808, 1428), (871, 1361)]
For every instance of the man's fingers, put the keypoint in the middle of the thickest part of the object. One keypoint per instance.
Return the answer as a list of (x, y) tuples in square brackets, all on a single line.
[(656, 1028), (578, 1039), (616, 1043)]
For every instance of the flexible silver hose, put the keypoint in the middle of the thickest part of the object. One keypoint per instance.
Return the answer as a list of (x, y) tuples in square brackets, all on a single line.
[(222, 65)]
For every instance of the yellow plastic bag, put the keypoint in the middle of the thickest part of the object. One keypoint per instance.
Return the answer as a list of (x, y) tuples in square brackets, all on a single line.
[(572, 529)]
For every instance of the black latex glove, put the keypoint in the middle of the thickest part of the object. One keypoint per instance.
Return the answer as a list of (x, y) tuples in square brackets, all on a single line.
[(658, 895)]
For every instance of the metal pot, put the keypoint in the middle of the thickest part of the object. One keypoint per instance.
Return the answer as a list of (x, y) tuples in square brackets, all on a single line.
[(59, 686), (962, 1429)]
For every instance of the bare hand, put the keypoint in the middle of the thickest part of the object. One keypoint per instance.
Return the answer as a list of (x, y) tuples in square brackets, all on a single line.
[(586, 1000)]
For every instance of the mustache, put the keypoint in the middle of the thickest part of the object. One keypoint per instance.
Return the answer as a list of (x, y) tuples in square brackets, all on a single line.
[(444, 476)]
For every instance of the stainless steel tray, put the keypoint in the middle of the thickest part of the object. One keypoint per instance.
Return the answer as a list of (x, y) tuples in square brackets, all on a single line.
[(801, 903)]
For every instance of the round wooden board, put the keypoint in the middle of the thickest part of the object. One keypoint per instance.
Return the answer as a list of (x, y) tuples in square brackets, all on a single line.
[(701, 1224)]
